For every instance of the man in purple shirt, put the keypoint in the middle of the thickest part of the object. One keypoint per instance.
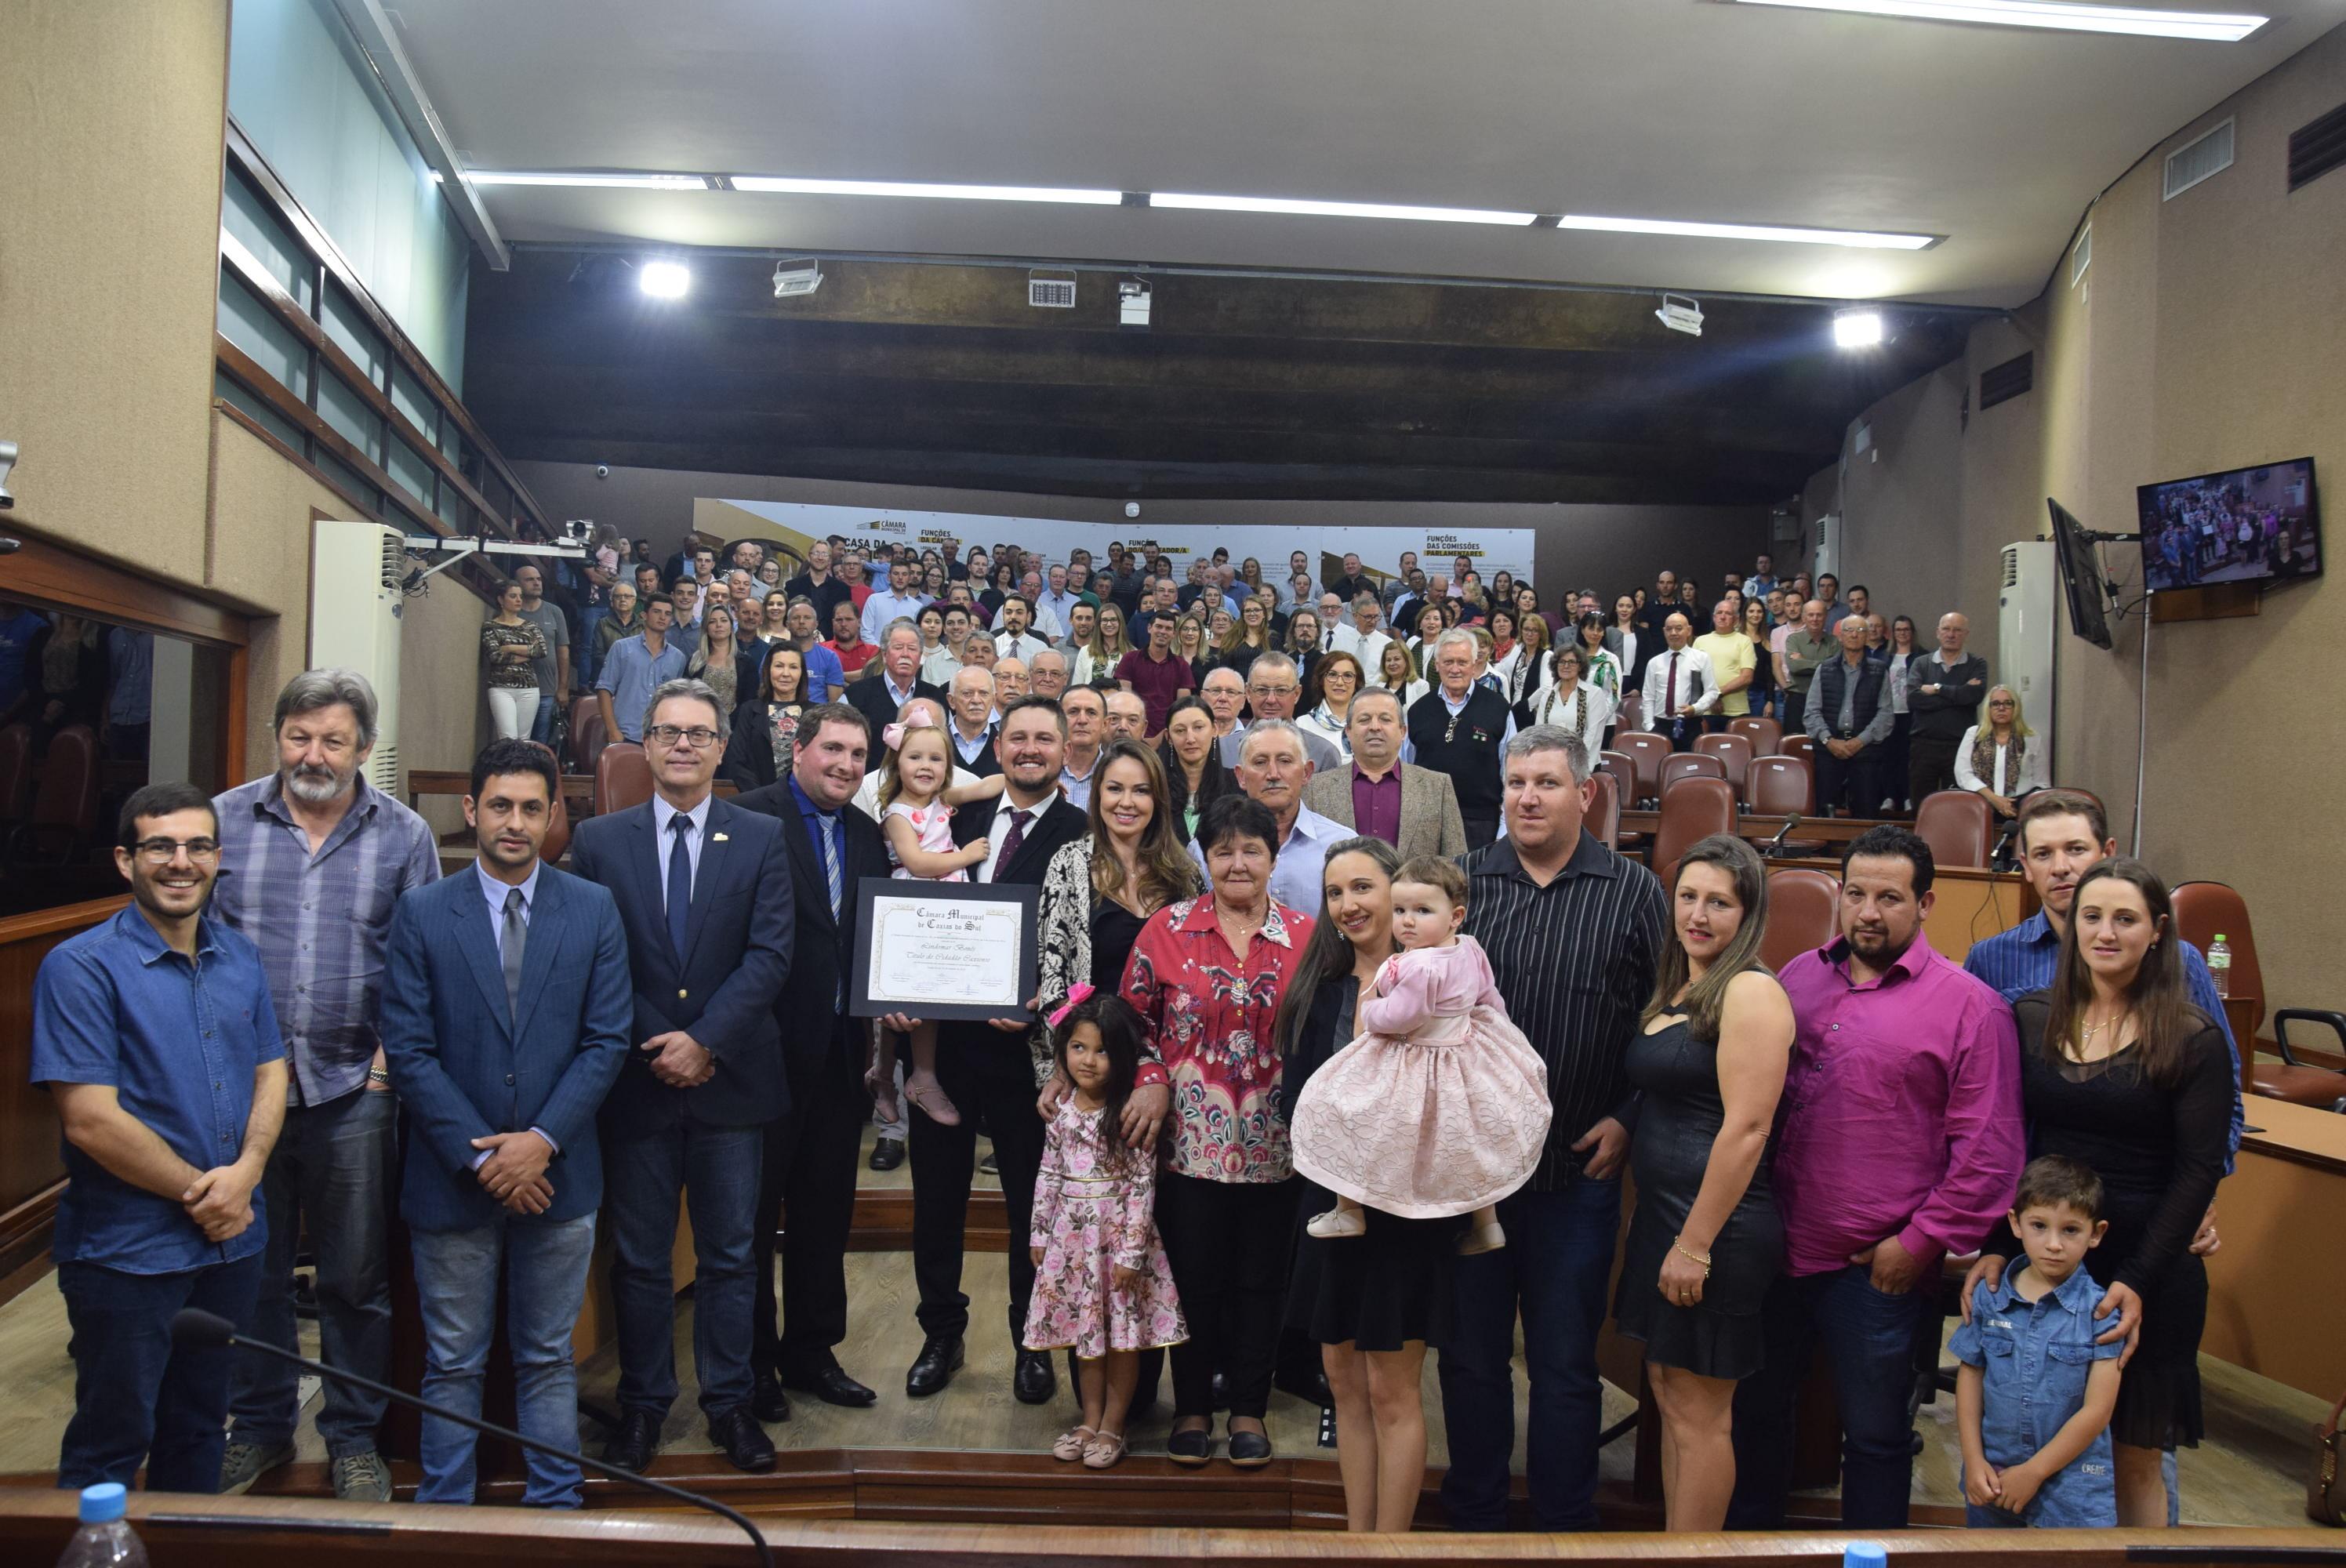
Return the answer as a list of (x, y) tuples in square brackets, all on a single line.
[(1899, 1140)]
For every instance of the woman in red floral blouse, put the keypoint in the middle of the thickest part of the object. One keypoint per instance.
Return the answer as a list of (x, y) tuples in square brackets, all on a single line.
[(1207, 975)]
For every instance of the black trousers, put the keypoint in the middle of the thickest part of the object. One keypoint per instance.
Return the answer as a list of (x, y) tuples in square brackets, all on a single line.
[(1930, 765), (1679, 731), (1796, 704), (809, 1186), (1851, 787), (1482, 828), (1231, 1245), (989, 1076)]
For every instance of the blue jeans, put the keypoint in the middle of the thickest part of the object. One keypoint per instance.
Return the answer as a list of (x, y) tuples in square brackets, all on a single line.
[(544, 1269), (542, 730), (1559, 1255), (137, 1398), (1868, 1339), (332, 1163), (716, 1171)]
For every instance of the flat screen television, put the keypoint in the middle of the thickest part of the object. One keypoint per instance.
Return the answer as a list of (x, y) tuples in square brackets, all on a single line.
[(2243, 525), (2081, 575)]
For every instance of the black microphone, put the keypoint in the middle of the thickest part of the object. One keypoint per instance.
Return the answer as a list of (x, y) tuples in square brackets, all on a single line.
[(1777, 843), (195, 1328)]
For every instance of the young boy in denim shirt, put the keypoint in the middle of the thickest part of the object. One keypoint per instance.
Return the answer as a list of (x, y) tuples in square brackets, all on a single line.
[(2035, 1392)]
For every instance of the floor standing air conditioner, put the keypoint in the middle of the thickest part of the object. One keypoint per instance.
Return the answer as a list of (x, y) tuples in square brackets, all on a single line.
[(1827, 552), (2028, 588), (355, 603)]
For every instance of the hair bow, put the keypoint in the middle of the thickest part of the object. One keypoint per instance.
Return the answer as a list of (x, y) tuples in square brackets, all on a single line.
[(893, 735), (1077, 994)]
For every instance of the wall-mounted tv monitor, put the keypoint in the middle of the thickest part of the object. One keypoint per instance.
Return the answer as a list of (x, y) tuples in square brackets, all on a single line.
[(2081, 575), (2244, 525)]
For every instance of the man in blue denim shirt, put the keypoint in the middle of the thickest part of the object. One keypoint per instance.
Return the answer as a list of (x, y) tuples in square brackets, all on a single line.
[(2034, 1391), (155, 1034)]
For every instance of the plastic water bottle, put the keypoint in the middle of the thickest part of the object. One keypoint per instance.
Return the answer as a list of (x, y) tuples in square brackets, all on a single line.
[(1864, 1555), (105, 1539), (2219, 964)]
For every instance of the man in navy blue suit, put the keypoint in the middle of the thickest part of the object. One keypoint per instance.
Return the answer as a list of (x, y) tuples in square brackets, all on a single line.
[(506, 1017), (704, 890)]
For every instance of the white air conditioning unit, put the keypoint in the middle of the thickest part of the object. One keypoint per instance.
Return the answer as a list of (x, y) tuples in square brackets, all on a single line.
[(1828, 556), (356, 599), (2026, 591)]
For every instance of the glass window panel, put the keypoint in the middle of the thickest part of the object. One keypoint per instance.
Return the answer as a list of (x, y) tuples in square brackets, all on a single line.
[(247, 214), (348, 413), (414, 474), (348, 326), (410, 399), (268, 418), (342, 474), (249, 323)]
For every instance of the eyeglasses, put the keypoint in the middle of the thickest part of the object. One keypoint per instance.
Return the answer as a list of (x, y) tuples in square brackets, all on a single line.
[(163, 851), (699, 738), (1260, 690)]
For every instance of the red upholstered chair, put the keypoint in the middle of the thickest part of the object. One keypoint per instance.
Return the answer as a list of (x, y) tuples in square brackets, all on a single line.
[(1629, 713), (1648, 752), (1603, 819), (1803, 913), (1691, 812), (1780, 787), (557, 826), (1799, 746), (1766, 736), (1958, 826), (1734, 750), (1624, 770), (2203, 911), (1690, 764), (583, 746), (15, 771), (64, 814), (623, 777)]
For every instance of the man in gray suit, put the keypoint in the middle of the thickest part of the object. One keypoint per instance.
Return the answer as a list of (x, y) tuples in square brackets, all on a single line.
[(1412, 809)]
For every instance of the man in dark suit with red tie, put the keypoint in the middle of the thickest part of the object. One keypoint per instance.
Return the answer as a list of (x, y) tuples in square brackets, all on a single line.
[(988, 1071)]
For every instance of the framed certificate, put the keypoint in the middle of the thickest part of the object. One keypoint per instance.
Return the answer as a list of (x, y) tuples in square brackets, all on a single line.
[(943, 950)]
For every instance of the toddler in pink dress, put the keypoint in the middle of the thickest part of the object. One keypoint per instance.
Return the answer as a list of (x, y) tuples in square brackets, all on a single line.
[(1439, 1105)]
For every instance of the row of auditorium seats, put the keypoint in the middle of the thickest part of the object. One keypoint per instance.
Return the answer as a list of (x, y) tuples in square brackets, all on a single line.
[(48, 808)]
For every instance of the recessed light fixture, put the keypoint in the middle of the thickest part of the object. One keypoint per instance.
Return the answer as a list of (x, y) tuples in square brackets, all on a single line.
[(1337, 209), (773, 183), (1857, 328), (2204, 27), (665, 279), (1860, 238), (595, 181)]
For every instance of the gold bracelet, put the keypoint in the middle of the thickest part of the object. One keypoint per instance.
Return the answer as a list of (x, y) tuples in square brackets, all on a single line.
[(1679, 1248)]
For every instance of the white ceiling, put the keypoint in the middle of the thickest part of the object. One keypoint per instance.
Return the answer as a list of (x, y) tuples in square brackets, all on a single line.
[(1994, 138)]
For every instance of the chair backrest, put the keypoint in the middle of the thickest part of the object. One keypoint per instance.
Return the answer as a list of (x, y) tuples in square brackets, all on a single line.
[(1629, 713), (67, 795), (557, 826), (1623, 771), (1690, 764), (15, 771), (1799, 746), (2205, 910), (1766, 736), (1691, 812), (1735, 750), (582, 710), (1958, 826), (1780, 787), (1803, 913), (1603, 819), (1648, 752), (623, 777)]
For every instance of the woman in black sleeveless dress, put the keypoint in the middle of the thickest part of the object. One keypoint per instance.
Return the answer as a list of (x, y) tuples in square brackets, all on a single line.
[(1706, 1241)]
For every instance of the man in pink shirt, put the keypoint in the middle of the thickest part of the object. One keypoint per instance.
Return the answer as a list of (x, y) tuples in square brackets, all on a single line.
[(1899, 1140)]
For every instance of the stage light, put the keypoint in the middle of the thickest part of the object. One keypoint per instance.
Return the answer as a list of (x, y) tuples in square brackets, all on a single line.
[(1857, 328), (1336, 208), (788, 187), (2201, 26), (1861, 239), (590, 181), (665, 279)]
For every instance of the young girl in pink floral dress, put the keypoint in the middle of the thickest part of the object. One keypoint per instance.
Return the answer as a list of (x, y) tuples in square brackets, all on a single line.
[(1439, 1107), (1101, 1283)]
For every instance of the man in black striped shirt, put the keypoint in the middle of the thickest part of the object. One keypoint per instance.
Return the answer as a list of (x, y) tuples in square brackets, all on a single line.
[(1575, 933)]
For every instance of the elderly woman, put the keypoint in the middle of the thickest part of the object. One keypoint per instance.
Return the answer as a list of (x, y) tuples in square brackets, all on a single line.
[(1570, 699), (1994, 759), (1206, 976), (1525, 669)]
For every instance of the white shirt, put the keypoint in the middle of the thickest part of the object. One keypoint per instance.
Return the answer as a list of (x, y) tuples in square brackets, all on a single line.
[(1551, 707), (1517, 681), (1295, 875), (1025, 645), (884, 606), (1044, 621), (1896, 682), (1001, 830), (662, 815), (1694, 676), (2009, 782), (495, 891), (867, 794), (938, 665), (1368, 646)]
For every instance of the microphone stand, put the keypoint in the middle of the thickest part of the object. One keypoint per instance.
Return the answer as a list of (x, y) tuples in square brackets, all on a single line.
[(192, 1326)]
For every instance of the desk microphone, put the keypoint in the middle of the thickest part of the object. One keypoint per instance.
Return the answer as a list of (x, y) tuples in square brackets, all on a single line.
[(1776, 844), (194, 1328)]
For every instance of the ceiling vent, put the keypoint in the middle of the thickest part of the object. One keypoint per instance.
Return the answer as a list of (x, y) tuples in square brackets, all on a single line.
[(2002, 384), (2203, 158), (1051, 290), (2082, 257), (2317, 148)]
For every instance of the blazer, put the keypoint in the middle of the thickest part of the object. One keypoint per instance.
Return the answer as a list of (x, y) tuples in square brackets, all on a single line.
[(1429, 822), (738, 939), (869, 697), (822, 950), (1060, 824), (464, 1065)]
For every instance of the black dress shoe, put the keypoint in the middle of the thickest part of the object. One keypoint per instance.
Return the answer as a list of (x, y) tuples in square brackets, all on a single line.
[(633, 1445), (1221, 1392), (1033, 1383), (743, 1440), (1308, 1384), (766, 1401), (887, 1153), (1250, 1450), (932, 1368), (832, 1386)]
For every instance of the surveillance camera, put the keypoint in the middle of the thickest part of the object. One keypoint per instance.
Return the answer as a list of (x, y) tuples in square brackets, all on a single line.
[(602, 471), (1132, 509)]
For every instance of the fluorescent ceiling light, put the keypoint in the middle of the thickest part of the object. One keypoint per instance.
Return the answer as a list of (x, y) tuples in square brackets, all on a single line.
[(2205, 26), (1857, 328), (604, 181), (1859, 237), (1338, 209), (665, 279), (948, 192)]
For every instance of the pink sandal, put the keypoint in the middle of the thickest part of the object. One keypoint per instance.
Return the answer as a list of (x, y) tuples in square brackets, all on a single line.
[(1104, 1451), (1075, 1443), (933, 1101)]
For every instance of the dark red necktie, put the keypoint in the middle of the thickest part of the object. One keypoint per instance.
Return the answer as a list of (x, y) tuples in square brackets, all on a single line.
[(1670, 692), (1011, 840)]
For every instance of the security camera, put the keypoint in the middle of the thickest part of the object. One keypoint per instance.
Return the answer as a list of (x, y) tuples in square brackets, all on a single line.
[(602, 471), (1132, 509), (8, 462), (576, 529)]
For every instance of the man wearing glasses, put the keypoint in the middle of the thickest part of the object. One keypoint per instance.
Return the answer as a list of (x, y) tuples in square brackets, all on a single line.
[(704, 890), (155, 1035), (1272, 690)]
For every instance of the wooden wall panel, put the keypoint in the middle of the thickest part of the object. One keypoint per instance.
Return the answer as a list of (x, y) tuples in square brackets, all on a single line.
[(32, 1171)]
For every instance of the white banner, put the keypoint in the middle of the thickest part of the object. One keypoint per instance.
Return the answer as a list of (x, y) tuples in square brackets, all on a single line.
[(800, 524)]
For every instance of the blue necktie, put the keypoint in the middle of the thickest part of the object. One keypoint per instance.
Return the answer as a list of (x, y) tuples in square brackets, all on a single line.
[(680, 883), (831, 872)]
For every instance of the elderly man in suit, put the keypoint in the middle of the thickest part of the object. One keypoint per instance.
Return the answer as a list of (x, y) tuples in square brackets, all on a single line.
[(1412, 809), (809, 1166), (505, 1016), (894, 680), (704, 888)]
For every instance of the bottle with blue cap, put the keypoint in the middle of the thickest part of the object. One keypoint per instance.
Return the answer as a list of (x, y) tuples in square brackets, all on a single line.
[(1864, 1554), (105, 1539)]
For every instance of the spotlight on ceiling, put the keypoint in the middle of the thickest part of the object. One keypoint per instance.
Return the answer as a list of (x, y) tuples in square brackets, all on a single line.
[(793, 279), (1857, 328), (665, 279), (1681, 314)]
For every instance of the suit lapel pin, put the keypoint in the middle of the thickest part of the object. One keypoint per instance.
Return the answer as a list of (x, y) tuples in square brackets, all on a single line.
[(717, 838)]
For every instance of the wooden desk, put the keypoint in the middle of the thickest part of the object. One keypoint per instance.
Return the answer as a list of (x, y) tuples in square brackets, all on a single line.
[(2274, 1286), (1758, 829)]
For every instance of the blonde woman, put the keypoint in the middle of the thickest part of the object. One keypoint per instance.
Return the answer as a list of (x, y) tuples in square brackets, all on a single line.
[(1994, 759), (719, 657), (1397, 672), (1525, 670), (1191, 645)]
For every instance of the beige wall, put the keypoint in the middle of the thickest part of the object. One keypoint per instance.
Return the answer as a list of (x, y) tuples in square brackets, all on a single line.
[(2209, 332)]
